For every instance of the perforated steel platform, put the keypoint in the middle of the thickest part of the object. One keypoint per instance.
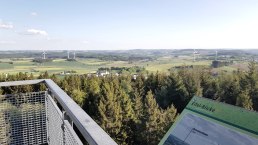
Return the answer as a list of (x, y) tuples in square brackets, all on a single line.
[(47, 117)]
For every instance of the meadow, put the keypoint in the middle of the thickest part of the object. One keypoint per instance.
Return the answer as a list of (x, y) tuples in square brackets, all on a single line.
[(91, 65)]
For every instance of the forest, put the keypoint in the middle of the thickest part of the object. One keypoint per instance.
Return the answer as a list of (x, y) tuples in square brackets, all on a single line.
[(140, 111)]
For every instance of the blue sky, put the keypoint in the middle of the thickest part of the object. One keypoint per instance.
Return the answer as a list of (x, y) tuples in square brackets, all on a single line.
[(128, 24)]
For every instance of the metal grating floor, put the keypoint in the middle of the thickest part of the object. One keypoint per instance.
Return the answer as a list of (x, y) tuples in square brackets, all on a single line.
[(33, 119), (59, 130), (23, 119)]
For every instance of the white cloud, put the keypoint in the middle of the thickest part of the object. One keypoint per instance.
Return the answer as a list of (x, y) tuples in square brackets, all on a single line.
[(36, 32), (85, 42), (7, 42), (51, 38), (33, 14), (5, 25)]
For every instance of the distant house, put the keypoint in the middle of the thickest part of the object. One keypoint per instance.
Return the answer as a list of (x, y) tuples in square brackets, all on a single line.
[(92, 74), (135, 76), (65, 73), (102, 72)]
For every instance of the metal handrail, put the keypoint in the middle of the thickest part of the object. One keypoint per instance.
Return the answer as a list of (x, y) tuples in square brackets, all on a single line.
[(90, 130)]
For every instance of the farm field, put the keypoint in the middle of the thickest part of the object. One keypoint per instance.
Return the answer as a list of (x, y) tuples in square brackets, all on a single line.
[(91, 65), (81, 66), (57, 66)]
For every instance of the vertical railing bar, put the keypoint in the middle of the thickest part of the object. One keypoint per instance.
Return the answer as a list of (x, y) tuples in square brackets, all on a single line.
[(47, 121), (63, 126)]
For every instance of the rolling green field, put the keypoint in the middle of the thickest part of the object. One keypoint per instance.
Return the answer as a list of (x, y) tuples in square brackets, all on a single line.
[(83, 66)]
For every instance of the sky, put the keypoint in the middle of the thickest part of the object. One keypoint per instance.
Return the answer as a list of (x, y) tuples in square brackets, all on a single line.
[(127, 24)]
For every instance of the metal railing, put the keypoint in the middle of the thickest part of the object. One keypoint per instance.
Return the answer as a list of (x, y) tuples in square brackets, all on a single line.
[(54, 123)]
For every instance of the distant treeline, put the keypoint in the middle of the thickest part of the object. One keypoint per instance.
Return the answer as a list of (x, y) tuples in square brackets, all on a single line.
[(9, 62), (102, 55), (188, 67), (117, 57), (134, 69), (40, 60), (216, 63), (133, 55)]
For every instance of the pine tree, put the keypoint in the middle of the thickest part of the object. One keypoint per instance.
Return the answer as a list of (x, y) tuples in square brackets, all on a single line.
[(64, 85), (137, 99), (139, 85), (54, 78), (78, 96), (137, 127), (44, 75), (125, 83), (191, 80), (252, 77), (210, 86), (92, 87), (127, 114), (173, 92), (244, 100), (169, 115), (152, 120), (111, 112), (229, 89), (138, 106), (151, 83)]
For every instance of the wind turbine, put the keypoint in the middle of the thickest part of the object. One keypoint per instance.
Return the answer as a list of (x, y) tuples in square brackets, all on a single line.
[(44, 55), (73, 55), (194, 54), (68, 53), (216, 58)]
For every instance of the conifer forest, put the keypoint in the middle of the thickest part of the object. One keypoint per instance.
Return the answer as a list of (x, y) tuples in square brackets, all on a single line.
[(141, 110)]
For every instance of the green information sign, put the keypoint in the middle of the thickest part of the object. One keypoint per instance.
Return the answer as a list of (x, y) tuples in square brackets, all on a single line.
[(207, 122)]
